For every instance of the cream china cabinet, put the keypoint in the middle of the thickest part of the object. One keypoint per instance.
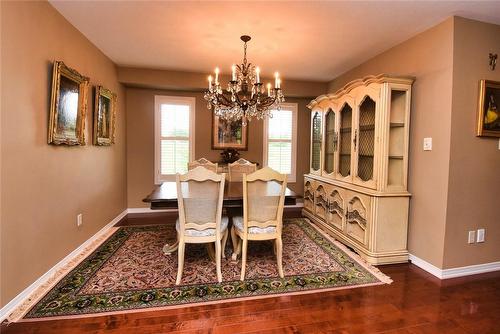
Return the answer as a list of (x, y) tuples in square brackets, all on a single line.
[(357, 186)]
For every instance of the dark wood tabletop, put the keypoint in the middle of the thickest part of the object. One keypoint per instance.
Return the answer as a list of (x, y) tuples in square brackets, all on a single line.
[(164, 196)]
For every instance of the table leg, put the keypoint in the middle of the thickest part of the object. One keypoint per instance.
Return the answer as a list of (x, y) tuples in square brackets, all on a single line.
[(169, 249)]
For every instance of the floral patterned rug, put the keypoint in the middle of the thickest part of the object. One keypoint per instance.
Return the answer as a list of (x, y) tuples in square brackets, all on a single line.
[(129, 271)]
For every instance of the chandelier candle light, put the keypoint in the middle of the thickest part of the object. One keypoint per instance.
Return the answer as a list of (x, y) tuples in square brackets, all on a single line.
[(245, 97)]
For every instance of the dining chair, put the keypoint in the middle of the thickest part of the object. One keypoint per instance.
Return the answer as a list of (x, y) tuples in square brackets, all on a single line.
[(240, 167), (204, 163), (200, 193), (263, 201)]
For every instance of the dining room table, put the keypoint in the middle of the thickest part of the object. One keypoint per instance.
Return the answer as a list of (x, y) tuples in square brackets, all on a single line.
[(164, 196)]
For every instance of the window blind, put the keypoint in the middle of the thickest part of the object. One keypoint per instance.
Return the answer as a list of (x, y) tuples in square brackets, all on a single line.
[(174, 138)]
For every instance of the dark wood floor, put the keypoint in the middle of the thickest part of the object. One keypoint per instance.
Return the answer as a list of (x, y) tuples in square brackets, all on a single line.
[(415, 303)]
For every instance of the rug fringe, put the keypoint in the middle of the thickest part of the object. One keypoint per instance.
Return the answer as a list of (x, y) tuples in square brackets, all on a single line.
[(371, 268), (45, 287)]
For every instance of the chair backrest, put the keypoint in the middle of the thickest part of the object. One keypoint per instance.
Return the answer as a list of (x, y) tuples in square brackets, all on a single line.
[(240, 167), (200, 193), (204, 163), (264, 199)]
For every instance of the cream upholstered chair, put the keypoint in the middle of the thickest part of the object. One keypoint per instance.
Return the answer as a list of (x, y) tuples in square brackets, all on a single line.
[(200, 193), (263, 201), (240, 167), (204, 163)]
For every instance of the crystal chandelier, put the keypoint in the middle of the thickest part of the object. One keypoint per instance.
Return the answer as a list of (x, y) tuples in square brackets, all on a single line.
[(245, 97)]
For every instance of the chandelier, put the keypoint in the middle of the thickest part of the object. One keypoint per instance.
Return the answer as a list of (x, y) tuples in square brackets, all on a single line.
[(245, 97)]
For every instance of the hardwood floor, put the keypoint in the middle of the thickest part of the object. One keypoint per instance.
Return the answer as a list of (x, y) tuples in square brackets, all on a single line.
[(415, 303)]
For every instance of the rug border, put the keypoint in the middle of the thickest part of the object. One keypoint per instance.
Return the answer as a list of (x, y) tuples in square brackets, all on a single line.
[(195, 304), (383, 279)]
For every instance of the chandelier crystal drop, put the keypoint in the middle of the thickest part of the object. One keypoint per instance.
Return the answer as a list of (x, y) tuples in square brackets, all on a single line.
[(245, 97)]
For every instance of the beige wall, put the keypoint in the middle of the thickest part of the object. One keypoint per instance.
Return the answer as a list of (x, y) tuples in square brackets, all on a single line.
[(190, 81), (140, 136), (44, 187), (428, 57), (474, 184)]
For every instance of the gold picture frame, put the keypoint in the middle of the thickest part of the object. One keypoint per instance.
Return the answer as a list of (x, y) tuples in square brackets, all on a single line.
[(488, 115), (104, 116), (68, 106), (229, 134)]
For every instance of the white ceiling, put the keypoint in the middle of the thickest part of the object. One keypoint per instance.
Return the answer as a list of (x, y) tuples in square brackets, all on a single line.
[(302, 40)]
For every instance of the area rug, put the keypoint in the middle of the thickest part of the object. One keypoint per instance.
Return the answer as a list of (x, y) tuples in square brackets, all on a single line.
[(129, 271)]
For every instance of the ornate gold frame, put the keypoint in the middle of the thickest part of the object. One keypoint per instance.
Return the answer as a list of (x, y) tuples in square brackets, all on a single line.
[(216, 145), (101, 91), (481, 132), (60, 69)]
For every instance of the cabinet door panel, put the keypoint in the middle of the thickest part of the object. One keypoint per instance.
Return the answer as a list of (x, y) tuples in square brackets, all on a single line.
[(365, 141), (336, 208), (316, 142), (345, 142), (309, 195), (320, 202), (358, 217), (331, 141)]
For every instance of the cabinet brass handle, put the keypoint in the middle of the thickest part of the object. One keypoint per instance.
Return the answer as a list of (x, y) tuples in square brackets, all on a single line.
[(355, 139)]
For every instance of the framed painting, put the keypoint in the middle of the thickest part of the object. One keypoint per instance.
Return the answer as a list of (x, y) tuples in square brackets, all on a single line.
[(488, 119), (104, 116), (229, 134), (68, 106)]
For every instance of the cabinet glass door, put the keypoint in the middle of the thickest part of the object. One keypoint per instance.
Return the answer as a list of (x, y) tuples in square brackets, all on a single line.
[(345, 141), (316, 142), (330, 141), (364, 139)]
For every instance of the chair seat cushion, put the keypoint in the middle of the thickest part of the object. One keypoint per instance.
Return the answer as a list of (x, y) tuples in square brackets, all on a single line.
[(238, 223), (203, 233)]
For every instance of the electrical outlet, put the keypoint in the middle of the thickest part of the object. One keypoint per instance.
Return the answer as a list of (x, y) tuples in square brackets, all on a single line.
[(428, 144), (480, 235), (79, 219), (472, 237)]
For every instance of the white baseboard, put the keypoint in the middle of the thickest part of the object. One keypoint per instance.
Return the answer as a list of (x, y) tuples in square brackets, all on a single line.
[(148, 210), (6, 311), (454, 272)]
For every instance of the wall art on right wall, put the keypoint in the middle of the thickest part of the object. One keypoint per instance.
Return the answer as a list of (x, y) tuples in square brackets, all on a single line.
[(488, 119)]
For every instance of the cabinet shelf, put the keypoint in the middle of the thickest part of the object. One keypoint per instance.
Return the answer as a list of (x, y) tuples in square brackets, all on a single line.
[(397, 125), (367, 127)]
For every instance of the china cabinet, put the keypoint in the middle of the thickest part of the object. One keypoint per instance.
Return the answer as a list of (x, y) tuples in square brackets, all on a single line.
[(357, 186)]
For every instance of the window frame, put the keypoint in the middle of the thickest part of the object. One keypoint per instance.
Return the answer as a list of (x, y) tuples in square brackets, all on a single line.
[(180, 100), (293, 107)]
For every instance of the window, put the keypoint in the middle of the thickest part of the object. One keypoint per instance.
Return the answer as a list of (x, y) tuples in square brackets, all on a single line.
[(280, 140), (174, 136)]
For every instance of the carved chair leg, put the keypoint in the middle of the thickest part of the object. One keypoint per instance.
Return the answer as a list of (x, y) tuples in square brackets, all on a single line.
[(180, 265), (224, 241), (279, 255), (218, 259), (244, 259), (235, 240)]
